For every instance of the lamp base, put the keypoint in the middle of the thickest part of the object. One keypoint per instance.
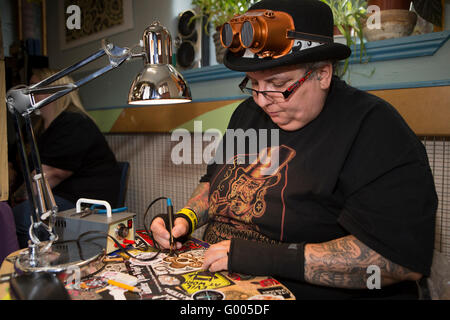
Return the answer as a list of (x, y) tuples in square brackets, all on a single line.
[(69, 260)]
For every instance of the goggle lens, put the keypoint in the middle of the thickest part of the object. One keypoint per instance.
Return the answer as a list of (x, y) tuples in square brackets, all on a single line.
[(263, 32), (227, 35), (247, 34)]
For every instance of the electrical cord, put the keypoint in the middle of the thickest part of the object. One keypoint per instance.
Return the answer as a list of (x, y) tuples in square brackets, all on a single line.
[(103, 211), (150, 234), (124, 250)]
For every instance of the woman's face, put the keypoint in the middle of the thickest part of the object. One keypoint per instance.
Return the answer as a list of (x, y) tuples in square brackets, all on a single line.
[(303, 106)]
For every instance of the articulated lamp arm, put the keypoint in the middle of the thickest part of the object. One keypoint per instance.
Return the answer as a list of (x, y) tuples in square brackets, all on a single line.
[(20, 101), (158, 82), (21, 98)]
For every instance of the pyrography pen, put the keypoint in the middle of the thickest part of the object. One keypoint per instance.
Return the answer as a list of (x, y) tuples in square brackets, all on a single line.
[(170, 214)]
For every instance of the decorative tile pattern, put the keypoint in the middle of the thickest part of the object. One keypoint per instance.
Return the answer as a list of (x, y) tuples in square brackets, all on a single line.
[(153, 174)]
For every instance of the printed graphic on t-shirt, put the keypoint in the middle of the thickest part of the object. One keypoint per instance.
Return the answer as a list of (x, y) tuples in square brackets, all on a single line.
[(239, 190)]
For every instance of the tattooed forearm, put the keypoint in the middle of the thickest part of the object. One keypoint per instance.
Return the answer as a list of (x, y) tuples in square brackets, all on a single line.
[(343, 263), (199, 202)]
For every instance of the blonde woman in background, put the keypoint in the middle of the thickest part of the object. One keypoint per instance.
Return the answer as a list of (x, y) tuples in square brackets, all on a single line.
[(76, 158), (71, 101)]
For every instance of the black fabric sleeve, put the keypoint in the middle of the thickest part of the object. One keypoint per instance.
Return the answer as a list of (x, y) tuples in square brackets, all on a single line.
[(396, 219), (389, 189), (263, 259), (209, 172), (67, 142)]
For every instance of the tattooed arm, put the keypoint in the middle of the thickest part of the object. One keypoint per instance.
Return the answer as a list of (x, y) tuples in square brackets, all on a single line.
[(198, 202), (343, 263)]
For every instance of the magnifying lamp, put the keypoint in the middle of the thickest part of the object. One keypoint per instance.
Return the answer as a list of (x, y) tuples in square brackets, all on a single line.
[(158, 83)]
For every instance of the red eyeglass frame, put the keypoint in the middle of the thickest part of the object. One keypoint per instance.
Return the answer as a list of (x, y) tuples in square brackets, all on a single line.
[(286, 93)]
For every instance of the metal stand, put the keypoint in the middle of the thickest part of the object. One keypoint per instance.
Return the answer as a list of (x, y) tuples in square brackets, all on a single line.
[(49, 255), (68, 260)]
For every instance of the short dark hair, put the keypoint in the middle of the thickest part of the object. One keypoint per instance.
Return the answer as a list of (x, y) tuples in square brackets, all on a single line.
[(316, 65)]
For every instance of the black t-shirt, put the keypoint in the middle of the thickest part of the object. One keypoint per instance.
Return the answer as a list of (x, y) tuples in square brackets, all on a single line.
[(356, 169), (73, 142)]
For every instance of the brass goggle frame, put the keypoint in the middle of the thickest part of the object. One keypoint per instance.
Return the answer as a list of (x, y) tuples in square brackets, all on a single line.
[(264, 32)]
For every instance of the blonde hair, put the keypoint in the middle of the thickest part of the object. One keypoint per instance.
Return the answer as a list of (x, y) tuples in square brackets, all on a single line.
[(72, 98), (70, 101)]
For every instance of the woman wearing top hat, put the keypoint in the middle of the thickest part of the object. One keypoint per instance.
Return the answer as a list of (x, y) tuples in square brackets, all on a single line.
[(348, 210)]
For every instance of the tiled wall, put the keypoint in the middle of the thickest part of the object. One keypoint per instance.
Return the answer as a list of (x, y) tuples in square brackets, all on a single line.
[(153, 174), (438, 150)]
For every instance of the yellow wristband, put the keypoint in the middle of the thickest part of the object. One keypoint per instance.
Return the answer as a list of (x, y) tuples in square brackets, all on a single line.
[(191, 215)]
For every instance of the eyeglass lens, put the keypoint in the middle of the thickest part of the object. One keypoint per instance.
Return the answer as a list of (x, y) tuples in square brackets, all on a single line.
[(274, 94)]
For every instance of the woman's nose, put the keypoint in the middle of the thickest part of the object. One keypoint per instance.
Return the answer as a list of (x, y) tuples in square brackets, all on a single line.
[(262, 99)]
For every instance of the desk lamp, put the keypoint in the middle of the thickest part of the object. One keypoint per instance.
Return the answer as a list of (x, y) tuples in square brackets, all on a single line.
[(158, 83)]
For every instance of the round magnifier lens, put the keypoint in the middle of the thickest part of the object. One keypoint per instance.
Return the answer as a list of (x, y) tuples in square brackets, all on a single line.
[(247, 34), (227, 35)]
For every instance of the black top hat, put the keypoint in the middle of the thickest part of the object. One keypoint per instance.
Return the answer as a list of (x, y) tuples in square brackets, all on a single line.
[(311, 17)]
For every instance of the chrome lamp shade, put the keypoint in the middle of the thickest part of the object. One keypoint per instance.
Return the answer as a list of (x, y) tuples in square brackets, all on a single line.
[(159, 82)]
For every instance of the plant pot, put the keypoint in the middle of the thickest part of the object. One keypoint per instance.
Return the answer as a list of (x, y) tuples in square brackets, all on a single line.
[(336, 31), (394, 24), (339, 37), (390, 4)]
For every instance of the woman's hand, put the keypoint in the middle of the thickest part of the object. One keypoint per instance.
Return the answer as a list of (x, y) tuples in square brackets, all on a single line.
[(162, 236), (216, 257)]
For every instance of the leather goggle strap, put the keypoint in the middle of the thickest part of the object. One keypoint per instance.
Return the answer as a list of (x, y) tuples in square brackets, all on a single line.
[(298, 45), (308, 36)]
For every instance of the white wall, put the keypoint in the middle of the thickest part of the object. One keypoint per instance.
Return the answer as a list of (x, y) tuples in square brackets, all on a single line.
[(447, 15)]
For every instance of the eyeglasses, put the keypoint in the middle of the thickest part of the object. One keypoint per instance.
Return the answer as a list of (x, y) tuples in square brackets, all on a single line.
[(274, 95)]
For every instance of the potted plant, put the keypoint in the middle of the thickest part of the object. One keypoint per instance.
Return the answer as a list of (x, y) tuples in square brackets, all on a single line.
[(218, 12), (390, 4), (396, 20), (348, 18), (390, 19)]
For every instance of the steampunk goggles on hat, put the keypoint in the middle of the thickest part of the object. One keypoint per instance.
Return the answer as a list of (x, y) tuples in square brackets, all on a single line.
[(266, 33)]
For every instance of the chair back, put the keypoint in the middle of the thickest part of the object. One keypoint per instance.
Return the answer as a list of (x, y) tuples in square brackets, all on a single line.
[(8, 237), (124, 169)]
